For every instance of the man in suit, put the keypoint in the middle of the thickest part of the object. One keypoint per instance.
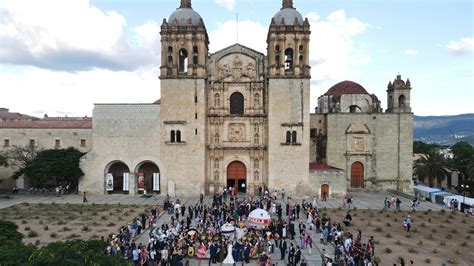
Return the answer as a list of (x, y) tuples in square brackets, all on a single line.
[(291, 254), (247, 253), (297, 255), (213, 250), (283, 247)]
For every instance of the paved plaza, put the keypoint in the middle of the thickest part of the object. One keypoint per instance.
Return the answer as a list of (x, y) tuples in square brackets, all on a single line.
[(361, 200)]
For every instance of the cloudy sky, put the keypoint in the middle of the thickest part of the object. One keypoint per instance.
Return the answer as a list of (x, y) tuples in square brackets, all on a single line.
[(62, 56)]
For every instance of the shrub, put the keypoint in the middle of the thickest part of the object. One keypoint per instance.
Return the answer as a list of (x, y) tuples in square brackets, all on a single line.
[(388, 215), (40, 222), (71, 236), (46, 228), (468, 237), (398, 242), (32, 233), (429, 237), (442, 243), (378, 229), (408, 235), (388, 224), (388, 235), (387, 250), (427, 260), (53, 235), (452, 261), (464, 244), (103, 217), (369, 223), (24, 222), (27, 228), (110, 224), (412, 250), (463, 221), (458, 252), (415, 230), (434, 230), (65, 229), (429, 220), (422, 225), (85, 228), (61, 222), (37, 242), (454, 231), (377, 260), (449, 236), (420, 243), (435, 251), (442, 211)]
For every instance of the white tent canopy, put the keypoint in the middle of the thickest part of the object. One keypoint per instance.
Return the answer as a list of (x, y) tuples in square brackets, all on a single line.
[(460, 199)]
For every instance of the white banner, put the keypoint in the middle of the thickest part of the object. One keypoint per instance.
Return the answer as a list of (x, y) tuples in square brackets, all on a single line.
[(109, 182), (156, 181), (126, 181)]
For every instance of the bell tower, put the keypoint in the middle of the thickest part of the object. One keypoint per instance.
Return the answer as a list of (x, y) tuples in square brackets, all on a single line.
[(183, 79), (398, 96), (288, 43), (288, 76), (184, 43)]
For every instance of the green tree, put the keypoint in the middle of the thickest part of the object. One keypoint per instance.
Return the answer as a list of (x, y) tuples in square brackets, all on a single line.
[(463, 154), (57, 165), (424, 148), (3, 160), (432, 166), (9, 234)]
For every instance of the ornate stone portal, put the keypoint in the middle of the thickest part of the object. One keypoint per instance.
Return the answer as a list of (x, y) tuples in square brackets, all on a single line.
[(237, 70)]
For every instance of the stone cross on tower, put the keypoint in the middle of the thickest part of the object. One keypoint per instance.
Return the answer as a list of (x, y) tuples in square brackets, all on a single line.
[(287, 3), (185, 4)]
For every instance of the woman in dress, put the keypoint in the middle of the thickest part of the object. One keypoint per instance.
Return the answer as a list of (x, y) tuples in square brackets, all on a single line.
[(229, 259)]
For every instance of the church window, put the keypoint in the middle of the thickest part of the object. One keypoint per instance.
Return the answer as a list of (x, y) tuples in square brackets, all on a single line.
[(289, 59), (256, 176), (183, 60), (301, 60), (170, 59), (195, 49), (6, 143), (256, 139), (195, 60), (170, 49), (256, 99), (288, 137), (57, 143), (293, 137), (216, 163), (83, 142), (277, 49), (178, 135), (401, 101), (32, 143), (301, 49), (217, 100), (216, 175), (173, 136), (277, 61), (236, 104), (354, 109)]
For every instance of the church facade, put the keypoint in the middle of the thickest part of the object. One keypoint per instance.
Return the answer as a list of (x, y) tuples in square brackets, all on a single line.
[(240, 118)]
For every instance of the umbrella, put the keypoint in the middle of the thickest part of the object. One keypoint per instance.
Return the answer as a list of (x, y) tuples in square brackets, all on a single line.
[(258, 219), (227, 228)]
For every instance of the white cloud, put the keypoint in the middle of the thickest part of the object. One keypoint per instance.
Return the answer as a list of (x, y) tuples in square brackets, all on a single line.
[(411, 52), (461, 46), (229, 4), (54, 92), (73, 36)]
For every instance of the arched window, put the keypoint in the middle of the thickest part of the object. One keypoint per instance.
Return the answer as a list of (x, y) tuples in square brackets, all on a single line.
[(217, 100), (256, 163), (301, 49), (401, 101), (277, 61), (216, 163), (178, 135), (301, 62), (288, 137), (170, 49), (277, 49), (195, 49), (289, 59), (256, 175), (195, 60), (170, 59), (216, 175), (293, 137), (256, 100), (236, 104), (173, 136), (354, 109), (183, 60), (256, 139)]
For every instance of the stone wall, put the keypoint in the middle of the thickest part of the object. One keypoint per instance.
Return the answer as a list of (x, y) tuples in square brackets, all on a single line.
[(382, 142), (44, 138), (336, 180), (128, 133)]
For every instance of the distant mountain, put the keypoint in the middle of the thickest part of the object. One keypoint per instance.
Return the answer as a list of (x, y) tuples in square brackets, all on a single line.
[(444, 130)]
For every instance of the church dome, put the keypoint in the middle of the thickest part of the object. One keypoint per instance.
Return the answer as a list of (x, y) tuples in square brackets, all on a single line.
[(289, 14), (185, 15), (345, 87)]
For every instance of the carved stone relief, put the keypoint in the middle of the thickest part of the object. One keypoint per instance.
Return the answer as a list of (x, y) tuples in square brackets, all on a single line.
[(236, 132), (237, 70), (358, 144)]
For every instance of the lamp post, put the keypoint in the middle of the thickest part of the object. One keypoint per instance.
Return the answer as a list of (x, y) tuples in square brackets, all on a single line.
[(464, 187)]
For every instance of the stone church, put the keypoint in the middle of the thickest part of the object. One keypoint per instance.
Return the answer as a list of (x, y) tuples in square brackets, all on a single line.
[(240, 118)]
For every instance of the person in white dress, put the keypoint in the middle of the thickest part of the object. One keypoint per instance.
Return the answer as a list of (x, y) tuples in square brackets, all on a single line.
[(229, 259)]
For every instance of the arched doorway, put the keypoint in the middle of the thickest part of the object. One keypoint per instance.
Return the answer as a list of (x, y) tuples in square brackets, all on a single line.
[(236, 176), (148, 177), (357, 175), (115, 177), (324, 191)]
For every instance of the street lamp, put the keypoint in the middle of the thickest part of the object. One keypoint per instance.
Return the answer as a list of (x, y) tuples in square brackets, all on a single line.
[(464, 187)]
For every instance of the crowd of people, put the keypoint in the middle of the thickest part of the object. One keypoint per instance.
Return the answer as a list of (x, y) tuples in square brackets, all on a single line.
[(196, 231)]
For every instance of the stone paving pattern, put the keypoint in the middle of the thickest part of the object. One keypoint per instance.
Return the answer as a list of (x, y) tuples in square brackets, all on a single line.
[(361, 200)]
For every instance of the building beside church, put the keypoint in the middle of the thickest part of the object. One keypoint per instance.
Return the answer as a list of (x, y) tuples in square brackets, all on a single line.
[(240, 118)]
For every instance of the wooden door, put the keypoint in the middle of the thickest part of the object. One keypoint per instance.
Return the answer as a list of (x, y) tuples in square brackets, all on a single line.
[(325, 190), (236, 171), (357, 175)]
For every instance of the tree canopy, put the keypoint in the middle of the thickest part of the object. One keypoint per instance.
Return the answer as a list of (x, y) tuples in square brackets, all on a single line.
[(424, 148), (57, 165), (463, 156), (3, 160), (432, 166)]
